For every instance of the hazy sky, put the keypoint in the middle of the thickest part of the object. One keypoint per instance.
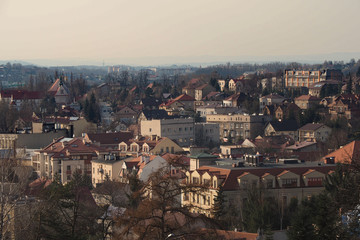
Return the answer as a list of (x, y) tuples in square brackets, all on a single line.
[(141, 31)]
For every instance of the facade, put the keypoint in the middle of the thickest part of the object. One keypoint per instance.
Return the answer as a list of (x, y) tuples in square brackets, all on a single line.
[(148, 145), (221, 83), (108, 140), (207, 133), (180, 130), (60, 92), (270, 99), (107, 168), (239, 126), (297, 79), (314, 132), (202, 91), (214, 109), (19, 97), (282, 182), (287, 127), (64, 157), (306, 101)]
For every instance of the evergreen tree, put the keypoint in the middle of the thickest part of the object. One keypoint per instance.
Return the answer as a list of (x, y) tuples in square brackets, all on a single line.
[(219, 209), (349, 85)]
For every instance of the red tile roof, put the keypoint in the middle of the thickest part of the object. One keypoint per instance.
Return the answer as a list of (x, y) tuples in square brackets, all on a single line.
[(230, 182), (110, 138), (307, 98), (22, 94), (346, 154)]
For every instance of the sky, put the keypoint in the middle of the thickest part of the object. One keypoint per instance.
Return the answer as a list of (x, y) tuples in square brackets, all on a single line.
[(168, 31)]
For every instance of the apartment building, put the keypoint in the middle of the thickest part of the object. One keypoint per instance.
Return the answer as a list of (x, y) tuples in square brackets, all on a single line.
[(284, 182), (64, 157), (302, 78), (180, 130), (207, 133), (239, 126)]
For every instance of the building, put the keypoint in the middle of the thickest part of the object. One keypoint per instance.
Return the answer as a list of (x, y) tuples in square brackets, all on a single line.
[(282, 181), (148, 145), (286, 127), (214, 109), (207, 134), (19, 97), (108, 140), (314, 132), (105, 168), (181, 130), (271, 99), (307, 101), (347, 154), (202, 91), (239, 126), (66, 156), (60, 92), (298, 78)]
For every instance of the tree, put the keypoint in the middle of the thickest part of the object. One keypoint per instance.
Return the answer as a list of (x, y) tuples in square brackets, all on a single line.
[(92, 109), (316, 218), (157, 215), (259, 210), (68, 211), (14, 180), (219, 209), (349, 85)]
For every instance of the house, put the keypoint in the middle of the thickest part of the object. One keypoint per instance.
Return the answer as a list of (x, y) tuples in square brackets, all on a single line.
[(236, 84), (283, 181), (270, 99), (286, 111), (347, 106), (184, 101), (234, 100), (127, 114), (202, 91), (65, 156), (286, 127), (148, 145), (108, 140), (221, 83), (314, 132), (60, 92), (306, 101), (347, 154), (191, 86)]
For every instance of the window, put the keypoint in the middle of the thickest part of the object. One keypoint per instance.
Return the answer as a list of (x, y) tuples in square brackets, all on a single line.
[(172, 150), (195, 180), (269, 183), (289, 182), (149, 129), (68, 168)]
